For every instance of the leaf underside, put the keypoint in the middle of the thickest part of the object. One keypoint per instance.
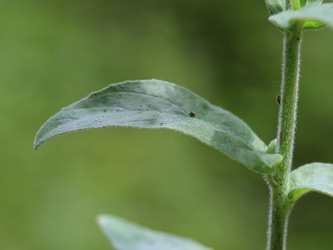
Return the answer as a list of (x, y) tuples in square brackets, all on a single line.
[(313, 16), (124, 235), (159, 104), (311, 177)]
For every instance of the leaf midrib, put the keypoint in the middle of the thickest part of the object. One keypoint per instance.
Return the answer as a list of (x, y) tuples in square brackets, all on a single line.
[(211, 125)]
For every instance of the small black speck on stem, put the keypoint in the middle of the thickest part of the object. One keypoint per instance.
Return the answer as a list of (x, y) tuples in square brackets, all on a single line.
[(278, 99)]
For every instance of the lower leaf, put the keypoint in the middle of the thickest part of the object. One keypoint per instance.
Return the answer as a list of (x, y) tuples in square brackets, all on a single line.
[(124, 235), (159, 104)]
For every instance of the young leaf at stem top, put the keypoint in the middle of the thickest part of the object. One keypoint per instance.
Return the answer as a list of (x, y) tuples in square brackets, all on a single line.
[(311, 2), (124, 235), (271, 147), (311, 177), (313, 16), (303, 2), (275, 6), (159, 104)]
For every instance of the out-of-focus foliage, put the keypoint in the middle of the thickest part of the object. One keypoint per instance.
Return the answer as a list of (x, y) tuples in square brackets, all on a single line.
[(124, 235), (54, 52)]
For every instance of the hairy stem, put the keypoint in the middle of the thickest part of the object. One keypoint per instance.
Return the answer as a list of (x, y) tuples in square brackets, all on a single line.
[(280, 205)]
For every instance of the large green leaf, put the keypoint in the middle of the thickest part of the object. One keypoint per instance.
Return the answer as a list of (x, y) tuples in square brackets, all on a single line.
[(313, 16), (159, 104), (311, 177), (125, 235)]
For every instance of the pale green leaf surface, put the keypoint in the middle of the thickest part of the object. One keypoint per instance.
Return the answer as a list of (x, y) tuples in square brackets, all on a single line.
[(271, 147), (159, 104), (275, 6), (310, 2), (311, 177), (314, 16), (124, 235), (313, 2)]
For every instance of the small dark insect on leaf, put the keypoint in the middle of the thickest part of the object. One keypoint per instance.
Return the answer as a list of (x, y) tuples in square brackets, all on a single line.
[(278, 99), (281, 136), (192, 114)]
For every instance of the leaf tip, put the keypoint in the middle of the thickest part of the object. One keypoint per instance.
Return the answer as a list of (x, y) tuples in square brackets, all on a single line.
[(36, 145), (38, 141), (102, 220), (271, 147)]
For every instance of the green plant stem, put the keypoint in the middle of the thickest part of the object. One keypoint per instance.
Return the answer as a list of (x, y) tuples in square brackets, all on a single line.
[(280, 205)]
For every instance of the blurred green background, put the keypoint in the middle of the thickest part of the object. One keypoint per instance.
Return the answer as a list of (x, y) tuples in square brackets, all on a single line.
[(53, 53)]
